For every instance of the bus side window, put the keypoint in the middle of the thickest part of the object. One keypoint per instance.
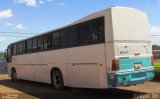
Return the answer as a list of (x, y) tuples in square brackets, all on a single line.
[(56, 40), (100, 30), (64, 38), (17, 49), (97, 30), (23, 47), (34, 44), (8, 54), (94, 31), (20, 48), (14, 49), (40, 43), (47, 42), (84, 34), (73, 36), (29, 45)]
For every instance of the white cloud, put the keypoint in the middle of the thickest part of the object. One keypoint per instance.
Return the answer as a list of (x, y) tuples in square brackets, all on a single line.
[(16, 26), (20, 26), (61, 4), (155, 30), (41, 2), (49, 0), (9, 24), (2, 39), (28, 2), (33, 3), (6, 14)]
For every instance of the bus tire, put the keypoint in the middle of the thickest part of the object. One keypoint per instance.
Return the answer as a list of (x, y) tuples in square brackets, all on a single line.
[(57, 80), (13, 74)]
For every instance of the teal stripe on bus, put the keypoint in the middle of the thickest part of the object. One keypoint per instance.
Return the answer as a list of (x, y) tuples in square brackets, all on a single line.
[(128, 63)]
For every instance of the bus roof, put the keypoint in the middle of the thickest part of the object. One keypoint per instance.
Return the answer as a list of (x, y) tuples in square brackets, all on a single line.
[(89, 17)]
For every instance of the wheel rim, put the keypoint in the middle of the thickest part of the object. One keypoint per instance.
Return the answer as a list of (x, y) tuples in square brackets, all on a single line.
[(57, 80)]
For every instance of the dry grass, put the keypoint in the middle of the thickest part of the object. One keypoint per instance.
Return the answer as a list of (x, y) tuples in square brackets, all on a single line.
[(4, 76)]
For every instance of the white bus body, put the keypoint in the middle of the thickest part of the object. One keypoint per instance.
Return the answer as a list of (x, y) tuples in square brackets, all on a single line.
[(124, 58)]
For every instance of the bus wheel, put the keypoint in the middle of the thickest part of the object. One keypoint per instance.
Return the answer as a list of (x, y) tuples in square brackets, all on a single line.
[(57, 80), (13, 74)]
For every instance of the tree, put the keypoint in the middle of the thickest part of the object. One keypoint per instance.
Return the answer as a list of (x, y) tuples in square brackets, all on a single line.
[(1, 55), (156, 47)]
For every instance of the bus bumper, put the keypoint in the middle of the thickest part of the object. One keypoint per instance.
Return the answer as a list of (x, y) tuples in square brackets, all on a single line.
[(129, 78)]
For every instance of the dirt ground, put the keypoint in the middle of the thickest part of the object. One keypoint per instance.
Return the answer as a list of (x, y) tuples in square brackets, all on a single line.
[(22, 89)]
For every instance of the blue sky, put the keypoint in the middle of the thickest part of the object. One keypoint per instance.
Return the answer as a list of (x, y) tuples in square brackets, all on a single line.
[(37, 16)]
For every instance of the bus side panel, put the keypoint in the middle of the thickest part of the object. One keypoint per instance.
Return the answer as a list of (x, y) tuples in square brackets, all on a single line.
[(22, 64), (85, 75), (9, 65), (85, 66), (42, 70), (59, 59), (109, 55)]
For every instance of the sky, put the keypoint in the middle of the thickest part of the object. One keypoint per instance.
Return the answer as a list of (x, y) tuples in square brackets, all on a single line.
[(38, 16)]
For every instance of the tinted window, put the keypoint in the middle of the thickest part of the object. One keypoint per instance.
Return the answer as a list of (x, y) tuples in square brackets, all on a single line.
[(73, 35), (20, 48), (34, 44), (101, 29), (97, 30), (40, 43), (14, 49), (23, 47), (90, 32), (17, 49), (9, 49), (94, 31), (84, 35), (29, 45), (47, 42), (64, 38), (56, 40)]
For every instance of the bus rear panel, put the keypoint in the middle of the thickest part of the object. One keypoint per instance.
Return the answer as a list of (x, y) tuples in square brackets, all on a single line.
[(132, 56)]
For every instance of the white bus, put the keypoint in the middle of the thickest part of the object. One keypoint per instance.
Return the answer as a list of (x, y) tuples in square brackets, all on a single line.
[(106, 49)]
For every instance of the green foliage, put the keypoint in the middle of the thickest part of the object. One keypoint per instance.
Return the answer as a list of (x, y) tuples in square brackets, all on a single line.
[(156, 63), (1, 55), (157, 70), (156, 47), (157, 73)]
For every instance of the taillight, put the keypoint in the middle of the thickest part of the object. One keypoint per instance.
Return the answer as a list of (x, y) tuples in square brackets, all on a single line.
[(152, 59), (115, 64)]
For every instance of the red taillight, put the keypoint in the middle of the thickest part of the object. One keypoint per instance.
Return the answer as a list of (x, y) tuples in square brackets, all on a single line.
[(152, 60), (115, 64)]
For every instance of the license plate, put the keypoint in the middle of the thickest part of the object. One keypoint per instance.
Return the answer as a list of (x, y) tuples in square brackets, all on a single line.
[(137, 66)]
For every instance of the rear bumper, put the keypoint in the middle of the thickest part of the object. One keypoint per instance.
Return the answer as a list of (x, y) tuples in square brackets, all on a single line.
[(129, 78)]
